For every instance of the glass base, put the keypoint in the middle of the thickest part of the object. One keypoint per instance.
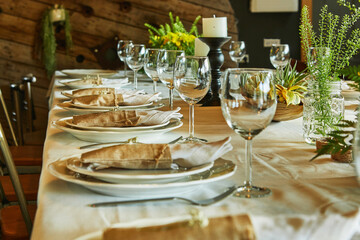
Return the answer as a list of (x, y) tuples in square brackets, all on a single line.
[(252, 192), (192, 140)]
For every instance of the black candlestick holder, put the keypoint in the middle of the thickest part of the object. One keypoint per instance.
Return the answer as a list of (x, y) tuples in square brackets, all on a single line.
[(216, 58)]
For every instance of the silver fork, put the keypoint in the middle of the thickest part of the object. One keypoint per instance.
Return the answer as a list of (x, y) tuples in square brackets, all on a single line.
[(129, 141), (204, 202)]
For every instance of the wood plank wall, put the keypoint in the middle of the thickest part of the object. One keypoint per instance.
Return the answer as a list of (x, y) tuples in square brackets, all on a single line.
[(94, 22)]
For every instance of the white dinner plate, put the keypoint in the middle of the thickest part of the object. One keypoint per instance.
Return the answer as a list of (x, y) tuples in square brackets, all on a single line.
[(118, 175), (115, 136), (108, 107), (114, 83), (79, 73), (70, 123), (221, 169), (68, 106)]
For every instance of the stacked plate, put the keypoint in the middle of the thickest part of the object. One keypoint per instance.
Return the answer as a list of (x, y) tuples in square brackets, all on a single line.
[(106, 134), (137, 183)]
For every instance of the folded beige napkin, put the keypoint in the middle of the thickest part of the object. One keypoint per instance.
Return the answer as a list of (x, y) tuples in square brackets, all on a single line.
[(116, 99), (88, 80), (92, 91), (157, 156), (123, 118), (106, 100)]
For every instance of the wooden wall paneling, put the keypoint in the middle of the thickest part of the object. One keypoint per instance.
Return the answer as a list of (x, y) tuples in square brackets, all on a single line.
[(220, 5)]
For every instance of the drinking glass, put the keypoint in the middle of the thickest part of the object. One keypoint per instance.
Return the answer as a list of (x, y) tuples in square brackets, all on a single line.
[(248, 104), (237, 51), (356, 151), (279, 55), (121, 51), (150, 64), (165, 68), (192, 77), (135, 58)]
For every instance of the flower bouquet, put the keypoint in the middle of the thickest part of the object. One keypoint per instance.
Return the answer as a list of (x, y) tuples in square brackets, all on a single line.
[(174, 36)]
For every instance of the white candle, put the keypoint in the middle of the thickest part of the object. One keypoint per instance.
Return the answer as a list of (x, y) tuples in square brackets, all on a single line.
[(215, 27), (201, 48)]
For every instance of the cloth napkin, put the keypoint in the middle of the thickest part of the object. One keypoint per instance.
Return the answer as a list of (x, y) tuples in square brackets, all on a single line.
[(116, 99), (157, 156), (92, 91), (124, 118)]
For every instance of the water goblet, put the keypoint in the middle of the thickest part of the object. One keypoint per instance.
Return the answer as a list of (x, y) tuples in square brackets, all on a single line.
[(150, 64), (165, 68), (121, 51), (237, 51), (248, 104), (279, 55), (135, 58), (192, 77)]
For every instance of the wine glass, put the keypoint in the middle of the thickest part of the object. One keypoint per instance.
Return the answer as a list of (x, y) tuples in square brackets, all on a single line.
[(192, 77), (237, 51), (319, 59), (248, 104), (150, 64), (165, 68), (135, 58), (121, 51), (279, 55)]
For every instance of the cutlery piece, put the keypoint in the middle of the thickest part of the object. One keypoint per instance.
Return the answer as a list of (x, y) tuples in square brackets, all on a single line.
[(204, 202), (129, 141)]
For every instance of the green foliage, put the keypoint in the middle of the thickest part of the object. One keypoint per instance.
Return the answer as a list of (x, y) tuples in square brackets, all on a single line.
[(338, 140), (49, 40), (352, 73), (290, 85), (174, 36), (335, 33)]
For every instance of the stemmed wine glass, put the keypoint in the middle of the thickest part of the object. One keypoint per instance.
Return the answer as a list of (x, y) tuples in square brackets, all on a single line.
[(319, 59), (248, 103), (135, 58), (279, 55), (150, 64), (121, 51), (192, 77), (237, 51), (165, 68)]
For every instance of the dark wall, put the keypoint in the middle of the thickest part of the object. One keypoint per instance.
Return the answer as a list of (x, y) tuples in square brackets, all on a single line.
[(254, 27)]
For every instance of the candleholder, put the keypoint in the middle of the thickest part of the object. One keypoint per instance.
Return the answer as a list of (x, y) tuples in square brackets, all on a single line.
[(216, 58)]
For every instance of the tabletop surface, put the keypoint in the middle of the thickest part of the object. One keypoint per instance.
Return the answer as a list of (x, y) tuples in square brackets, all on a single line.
[(310, 200)]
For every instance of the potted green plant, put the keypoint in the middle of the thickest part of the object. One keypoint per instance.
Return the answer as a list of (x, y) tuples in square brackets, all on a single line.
[(58, 15), (174, 36), (328, 51), (290, 90)]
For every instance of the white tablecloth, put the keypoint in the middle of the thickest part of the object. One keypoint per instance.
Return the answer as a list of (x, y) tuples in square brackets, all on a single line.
[(310, 200)]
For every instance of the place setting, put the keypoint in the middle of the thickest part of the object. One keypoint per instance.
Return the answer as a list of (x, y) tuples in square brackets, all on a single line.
[(131, 170), (120, 125), (104, 99)]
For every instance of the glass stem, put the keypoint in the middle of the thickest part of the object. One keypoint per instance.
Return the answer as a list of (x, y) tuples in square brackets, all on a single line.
[(125, 67), (154, 86), (171, 98), (248, 165), (191, 122), (135, 79)]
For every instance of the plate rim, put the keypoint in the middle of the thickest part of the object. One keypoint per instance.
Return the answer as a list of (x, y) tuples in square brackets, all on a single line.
[(118, 176)]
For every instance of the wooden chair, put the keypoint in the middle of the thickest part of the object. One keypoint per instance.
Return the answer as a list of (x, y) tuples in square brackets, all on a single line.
[(25, 155), (11, 225)]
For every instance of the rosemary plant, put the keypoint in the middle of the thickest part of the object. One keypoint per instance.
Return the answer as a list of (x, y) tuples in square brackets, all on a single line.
[(338, 42)]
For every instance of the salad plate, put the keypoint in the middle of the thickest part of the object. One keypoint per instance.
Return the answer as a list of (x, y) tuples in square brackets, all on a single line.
[(118, 175), (79, 73)]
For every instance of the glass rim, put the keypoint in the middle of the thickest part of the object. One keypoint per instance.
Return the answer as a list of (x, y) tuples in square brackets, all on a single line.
[(250, 70)]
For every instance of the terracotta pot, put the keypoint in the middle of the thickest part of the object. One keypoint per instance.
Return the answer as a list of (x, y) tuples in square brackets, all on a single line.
[(344, 158), (285, 113)]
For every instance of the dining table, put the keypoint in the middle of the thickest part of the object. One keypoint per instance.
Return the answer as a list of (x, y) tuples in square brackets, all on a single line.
[(317, 199)]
